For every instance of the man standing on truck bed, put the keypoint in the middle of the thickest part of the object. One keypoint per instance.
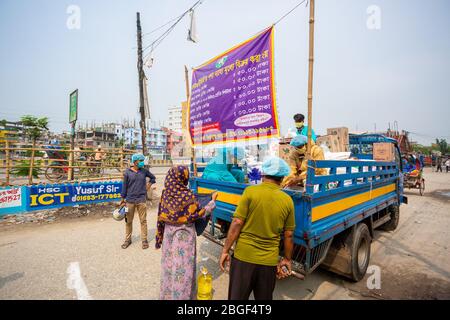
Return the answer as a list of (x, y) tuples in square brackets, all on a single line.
[(263, 214), (300, 128)]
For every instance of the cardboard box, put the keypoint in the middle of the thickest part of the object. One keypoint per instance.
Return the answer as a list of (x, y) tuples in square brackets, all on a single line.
[(284, 150), (342, 137), (331, 141), (383, 151)]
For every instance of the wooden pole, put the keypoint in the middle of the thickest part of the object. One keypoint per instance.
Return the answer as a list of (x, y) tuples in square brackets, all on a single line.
[(310, 75), (30, 172), (122, 158), (141, 83), (7, 162), (188, 96)]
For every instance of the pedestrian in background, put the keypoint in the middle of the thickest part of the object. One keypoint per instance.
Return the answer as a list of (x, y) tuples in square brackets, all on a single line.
[(439, 164), (262, 215), (447, 165), (176, 235), (99, 154), (134, 194)]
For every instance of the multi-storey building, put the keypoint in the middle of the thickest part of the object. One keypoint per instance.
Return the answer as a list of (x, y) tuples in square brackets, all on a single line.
[(175, 122), (103, 136)]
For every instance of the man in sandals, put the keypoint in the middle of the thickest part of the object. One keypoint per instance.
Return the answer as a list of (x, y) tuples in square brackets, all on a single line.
[(134, 194)]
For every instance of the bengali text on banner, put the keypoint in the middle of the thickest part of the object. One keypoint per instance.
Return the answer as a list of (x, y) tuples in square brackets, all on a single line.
[(233, 95)]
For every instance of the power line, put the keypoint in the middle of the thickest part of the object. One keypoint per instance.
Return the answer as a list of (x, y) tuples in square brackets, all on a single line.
[(426, 135), (158, 40), (284, 16), (289, 12), (160, 27)]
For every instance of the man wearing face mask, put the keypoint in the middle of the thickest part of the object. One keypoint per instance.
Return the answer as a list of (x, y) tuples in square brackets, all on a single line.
[(301, 129), (134, 192), (298, 163)]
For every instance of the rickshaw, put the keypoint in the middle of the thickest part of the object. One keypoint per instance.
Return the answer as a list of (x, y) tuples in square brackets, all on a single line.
[(58, 167), (413, 178), (58, 162)]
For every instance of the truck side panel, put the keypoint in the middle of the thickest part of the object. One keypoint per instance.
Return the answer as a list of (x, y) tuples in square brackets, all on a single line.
[(352, 191), (360, 189), (229, 194)]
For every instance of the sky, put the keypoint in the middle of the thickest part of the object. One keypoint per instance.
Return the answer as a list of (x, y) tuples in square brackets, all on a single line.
[(364, 78)]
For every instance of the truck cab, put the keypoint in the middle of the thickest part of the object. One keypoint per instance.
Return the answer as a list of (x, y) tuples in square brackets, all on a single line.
[(361, 146)]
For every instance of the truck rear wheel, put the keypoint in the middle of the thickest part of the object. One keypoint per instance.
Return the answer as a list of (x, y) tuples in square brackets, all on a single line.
[(360, 256), (391, 225), (349, 255)]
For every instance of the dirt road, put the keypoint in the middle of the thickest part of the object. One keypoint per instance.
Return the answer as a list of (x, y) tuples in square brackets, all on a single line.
[(81, 259)]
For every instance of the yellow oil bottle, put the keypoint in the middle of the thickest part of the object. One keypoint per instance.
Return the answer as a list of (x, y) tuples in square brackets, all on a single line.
[(204, 285)]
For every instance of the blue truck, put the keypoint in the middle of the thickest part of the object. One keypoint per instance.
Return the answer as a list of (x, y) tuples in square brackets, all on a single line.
[(336, 214)]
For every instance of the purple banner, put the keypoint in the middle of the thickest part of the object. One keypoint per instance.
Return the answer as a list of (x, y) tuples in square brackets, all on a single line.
[(233, 96)]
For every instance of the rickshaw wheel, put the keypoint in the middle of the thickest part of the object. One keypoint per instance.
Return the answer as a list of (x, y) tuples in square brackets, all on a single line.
[(422, 187), (54, 174)]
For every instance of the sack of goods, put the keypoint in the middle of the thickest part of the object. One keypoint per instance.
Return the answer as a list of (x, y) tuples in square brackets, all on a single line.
[(119, 214)]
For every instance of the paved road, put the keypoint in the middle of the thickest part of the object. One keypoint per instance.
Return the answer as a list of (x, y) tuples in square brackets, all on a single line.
[(82, 259)]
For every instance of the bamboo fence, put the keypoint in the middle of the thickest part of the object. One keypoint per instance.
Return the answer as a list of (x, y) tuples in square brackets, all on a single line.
[(55, 170)]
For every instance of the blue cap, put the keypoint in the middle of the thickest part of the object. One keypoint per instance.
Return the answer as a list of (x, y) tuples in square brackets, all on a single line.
[(137, 157), (299, 140), (276, 167)]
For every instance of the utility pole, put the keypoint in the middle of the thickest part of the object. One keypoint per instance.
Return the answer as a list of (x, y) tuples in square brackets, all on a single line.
[(310, 74), (141, 82)]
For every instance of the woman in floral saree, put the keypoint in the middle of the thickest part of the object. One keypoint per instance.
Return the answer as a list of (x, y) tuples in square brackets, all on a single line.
[(176, 235)]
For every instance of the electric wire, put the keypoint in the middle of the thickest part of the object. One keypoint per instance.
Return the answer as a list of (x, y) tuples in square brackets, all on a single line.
[(160, 27), (159, 40), (164, 35), (290, 11)]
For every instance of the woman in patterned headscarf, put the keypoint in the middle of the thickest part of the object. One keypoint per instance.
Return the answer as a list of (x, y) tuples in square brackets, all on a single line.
[(178, 210)]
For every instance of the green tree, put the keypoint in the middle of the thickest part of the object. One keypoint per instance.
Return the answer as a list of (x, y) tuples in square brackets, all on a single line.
[(34, 128), (22, 168), (443, 146), (422, 149), (120, 143)]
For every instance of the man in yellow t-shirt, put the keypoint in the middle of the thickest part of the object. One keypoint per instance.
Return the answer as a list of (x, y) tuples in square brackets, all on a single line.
[(263, 214)]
